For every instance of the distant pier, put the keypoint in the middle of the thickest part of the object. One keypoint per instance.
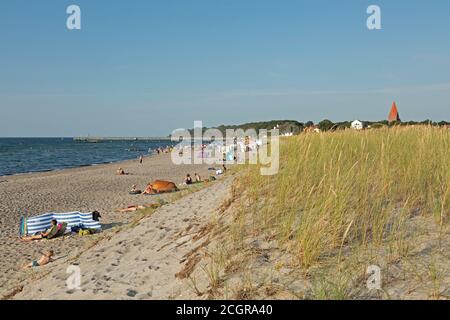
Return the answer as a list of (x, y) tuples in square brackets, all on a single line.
[(103, 139)]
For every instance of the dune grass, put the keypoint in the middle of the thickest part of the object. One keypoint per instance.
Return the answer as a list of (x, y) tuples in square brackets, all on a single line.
[(348, 189)]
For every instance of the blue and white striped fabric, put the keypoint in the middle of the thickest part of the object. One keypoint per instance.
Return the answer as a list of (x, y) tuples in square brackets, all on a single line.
[(30, 226)]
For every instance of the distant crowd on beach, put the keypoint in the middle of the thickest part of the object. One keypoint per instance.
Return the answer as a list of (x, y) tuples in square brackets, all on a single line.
[(223, 151), (167, 149)]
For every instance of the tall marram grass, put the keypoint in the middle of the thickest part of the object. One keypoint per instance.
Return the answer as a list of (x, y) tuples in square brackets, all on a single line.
[(349, 188)]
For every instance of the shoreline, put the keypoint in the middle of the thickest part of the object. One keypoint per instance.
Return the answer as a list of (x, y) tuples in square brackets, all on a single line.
[(74, 167)]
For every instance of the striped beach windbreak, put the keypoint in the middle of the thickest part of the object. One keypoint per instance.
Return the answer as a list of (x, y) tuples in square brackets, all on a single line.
[(40, 223)]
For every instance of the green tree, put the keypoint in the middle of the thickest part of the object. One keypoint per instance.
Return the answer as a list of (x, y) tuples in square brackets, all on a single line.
[(325, 125)]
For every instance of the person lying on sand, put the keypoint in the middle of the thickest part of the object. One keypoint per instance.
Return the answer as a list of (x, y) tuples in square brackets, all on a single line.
[(140, 207), (132, 208), (45, 259), (148, 190), (42, 235), (134, 190), (121, 172)]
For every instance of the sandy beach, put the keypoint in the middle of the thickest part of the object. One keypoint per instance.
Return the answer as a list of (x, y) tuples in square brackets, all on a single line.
[(80, 189), (147, 261)]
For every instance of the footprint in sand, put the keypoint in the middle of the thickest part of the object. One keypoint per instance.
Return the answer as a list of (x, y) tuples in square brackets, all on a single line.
[(131, 293), (153, 268)]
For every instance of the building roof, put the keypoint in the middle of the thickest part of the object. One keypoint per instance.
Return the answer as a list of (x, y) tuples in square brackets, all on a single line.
[(394, 115)]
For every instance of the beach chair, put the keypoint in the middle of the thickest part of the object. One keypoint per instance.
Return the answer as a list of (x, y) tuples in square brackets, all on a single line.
[(53, 232), (60, 230)]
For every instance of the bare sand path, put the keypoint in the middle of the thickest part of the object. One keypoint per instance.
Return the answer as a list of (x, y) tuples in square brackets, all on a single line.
[(80, 189), (140, 262)]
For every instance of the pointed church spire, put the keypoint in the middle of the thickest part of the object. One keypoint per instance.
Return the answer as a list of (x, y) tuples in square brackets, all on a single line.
[(393, 115)]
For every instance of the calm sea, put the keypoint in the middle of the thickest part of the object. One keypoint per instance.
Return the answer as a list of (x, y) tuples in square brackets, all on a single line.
[(23, 155)]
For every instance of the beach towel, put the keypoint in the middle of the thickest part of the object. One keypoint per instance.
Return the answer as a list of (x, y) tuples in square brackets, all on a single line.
[(41, 223)]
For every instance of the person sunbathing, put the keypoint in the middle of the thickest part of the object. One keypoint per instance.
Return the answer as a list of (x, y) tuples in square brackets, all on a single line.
[(134, 190), (132, 208), (148, 190), (43, 235), (140, 207), (43, 260), (120, 172)]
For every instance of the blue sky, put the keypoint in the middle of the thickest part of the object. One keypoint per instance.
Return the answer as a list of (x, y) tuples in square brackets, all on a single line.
[(141, 68)]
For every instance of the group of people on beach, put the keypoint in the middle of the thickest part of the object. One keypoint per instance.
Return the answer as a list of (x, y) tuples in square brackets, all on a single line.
[(188, 180), (166, 149), (150, 189), (47, 256)]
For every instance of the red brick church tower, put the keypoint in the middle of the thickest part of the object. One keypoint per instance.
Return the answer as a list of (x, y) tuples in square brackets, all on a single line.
[(393, 115)]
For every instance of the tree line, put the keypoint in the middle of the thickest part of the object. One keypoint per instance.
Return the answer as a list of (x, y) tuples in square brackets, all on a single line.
[(294, 126)]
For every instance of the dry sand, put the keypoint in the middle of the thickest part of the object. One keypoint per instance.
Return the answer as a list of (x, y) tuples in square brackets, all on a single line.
[(81, 189)]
